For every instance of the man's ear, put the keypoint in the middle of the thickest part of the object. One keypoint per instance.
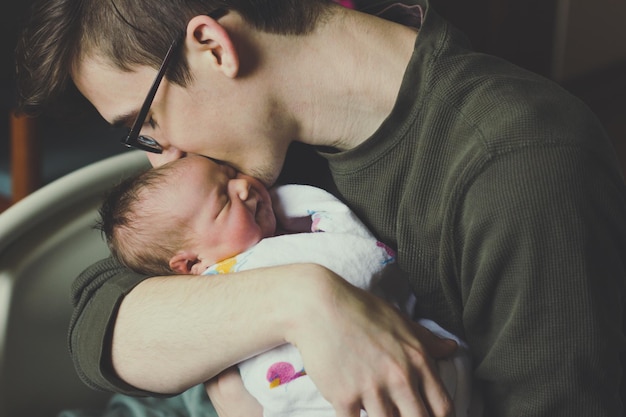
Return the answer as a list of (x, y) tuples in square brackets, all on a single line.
[(206, 38), (182, 262)]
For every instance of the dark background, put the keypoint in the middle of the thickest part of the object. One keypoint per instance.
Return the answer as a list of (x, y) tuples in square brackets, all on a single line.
[(576, 43)]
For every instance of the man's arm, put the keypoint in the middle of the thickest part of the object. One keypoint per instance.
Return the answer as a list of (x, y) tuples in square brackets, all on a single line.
[(175, 332), (543, 283)]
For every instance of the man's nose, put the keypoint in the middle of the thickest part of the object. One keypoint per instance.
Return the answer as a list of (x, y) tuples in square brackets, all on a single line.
[(169, 154)]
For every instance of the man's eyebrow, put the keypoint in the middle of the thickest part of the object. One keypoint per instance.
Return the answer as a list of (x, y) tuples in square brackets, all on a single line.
[(124, 120)]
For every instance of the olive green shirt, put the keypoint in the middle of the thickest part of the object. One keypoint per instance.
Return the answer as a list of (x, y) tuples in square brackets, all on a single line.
[(503, 198)]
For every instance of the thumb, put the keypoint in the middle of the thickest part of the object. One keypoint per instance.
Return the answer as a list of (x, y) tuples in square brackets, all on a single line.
[(437, 347)]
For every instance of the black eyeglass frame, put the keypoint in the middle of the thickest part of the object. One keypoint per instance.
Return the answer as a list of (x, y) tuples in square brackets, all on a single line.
[(143, 142)]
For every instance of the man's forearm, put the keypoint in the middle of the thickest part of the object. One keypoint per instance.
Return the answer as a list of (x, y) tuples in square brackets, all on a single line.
[(174, 332)]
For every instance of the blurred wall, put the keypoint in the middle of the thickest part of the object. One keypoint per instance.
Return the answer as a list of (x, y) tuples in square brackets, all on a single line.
[(589, 37)]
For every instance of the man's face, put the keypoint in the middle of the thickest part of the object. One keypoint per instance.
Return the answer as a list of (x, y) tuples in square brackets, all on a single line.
[(205, 117)]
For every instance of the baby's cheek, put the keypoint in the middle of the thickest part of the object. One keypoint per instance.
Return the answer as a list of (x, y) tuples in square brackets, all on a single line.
[(245, 235)]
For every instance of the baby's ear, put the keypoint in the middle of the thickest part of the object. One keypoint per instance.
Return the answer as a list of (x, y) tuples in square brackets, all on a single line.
[(182, 262)]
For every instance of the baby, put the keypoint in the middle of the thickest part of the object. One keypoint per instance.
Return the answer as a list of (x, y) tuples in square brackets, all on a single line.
[(196, 216)]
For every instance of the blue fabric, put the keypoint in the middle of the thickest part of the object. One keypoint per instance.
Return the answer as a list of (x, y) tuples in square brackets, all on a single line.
[(191, 403)]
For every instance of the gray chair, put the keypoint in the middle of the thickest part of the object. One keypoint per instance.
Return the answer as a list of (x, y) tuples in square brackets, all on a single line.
[(46, 240)]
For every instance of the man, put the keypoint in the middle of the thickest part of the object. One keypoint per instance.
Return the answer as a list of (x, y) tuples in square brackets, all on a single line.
[(499, 191)]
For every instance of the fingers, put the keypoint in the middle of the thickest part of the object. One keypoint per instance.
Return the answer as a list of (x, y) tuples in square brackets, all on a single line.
[(436, 398), (389, 373), (406, 404), (429, 400), (422, 393), (348, 410), (379, 406), (411, 404), (406, 395), (418, 390), (436, 347), (426, 380)]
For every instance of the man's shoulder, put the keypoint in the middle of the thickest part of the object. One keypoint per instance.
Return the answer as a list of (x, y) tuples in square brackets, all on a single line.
[(509, 106)]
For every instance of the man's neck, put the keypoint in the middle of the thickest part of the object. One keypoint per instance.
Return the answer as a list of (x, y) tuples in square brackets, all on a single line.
[(345, 80)]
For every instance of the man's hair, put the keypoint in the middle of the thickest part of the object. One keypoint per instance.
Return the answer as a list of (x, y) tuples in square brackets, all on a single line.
[(128, 33), (139, 231)]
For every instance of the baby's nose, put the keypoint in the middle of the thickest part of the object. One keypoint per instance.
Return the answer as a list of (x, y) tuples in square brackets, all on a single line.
[(241, 187)]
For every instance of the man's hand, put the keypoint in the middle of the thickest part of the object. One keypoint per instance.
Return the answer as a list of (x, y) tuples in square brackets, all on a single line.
[(359, 351), (362, 354), (230, 398)]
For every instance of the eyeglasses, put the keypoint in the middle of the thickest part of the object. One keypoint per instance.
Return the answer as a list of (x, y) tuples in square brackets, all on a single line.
[(143, 142)]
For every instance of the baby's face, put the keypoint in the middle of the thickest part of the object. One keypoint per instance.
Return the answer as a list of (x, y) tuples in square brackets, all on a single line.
[(228, 211)]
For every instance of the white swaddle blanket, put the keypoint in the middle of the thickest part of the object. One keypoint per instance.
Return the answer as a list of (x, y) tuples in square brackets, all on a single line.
[(338, 240)]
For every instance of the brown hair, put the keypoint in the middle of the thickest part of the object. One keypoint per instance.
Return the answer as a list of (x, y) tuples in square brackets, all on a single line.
[(129, 32), (135, 225)]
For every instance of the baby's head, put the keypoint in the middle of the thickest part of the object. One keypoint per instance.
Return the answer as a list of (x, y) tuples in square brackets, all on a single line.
[(185, 216)]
